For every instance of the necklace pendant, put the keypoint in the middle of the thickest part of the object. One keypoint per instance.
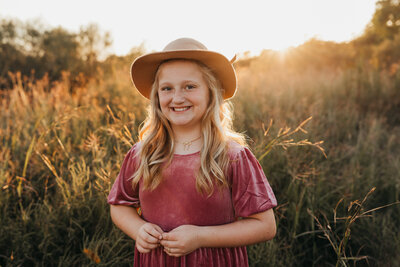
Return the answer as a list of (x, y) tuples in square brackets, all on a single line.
[(186, 145)]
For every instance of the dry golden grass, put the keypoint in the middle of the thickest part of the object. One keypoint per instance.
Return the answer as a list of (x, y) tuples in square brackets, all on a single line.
[(323, 137)]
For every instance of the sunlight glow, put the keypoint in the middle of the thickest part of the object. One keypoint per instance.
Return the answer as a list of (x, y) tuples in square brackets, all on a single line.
[(225, 26)]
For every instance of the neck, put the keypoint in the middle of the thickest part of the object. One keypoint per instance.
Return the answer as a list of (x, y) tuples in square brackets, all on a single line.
[(186, 134), (187, 140)]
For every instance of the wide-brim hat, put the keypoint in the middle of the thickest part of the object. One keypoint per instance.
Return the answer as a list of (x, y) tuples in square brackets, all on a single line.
[(144, 68)]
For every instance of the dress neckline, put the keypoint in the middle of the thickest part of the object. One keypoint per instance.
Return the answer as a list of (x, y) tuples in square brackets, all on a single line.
[(185, 155)]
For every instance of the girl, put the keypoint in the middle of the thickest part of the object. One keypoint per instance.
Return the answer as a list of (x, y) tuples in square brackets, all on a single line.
[(202, 194)]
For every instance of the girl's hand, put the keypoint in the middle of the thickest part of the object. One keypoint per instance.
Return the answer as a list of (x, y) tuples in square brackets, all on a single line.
[(148, 237), (181, 241)]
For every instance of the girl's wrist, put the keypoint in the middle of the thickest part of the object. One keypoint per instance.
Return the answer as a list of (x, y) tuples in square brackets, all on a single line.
[(202, 236)]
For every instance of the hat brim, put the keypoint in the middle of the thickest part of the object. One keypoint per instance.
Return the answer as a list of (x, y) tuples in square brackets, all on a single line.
[(143, 69)]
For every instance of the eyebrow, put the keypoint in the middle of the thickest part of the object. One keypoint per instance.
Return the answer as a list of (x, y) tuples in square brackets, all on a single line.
[(183, 82), (162, 84)]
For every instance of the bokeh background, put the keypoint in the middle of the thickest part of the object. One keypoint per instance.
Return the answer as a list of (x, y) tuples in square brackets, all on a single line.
[(318, 98)]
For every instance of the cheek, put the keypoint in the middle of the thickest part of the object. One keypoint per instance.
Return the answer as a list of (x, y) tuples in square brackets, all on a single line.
[(163, 102), (206, 98), (164, 108), (203, 104)]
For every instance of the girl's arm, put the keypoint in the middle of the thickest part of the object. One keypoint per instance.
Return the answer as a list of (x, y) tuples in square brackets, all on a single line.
[(253, 229), (147, 235)]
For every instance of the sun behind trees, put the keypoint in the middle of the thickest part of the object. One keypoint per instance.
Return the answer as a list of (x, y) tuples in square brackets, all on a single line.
[(35, 49)]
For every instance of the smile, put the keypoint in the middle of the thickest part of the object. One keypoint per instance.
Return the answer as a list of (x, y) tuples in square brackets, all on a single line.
[(180, 109)]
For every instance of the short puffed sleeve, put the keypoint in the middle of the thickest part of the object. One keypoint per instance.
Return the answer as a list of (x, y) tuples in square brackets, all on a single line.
[(122, 192), (251, 192)]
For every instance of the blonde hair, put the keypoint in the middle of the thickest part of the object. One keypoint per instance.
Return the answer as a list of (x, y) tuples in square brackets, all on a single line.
[(158, 140)]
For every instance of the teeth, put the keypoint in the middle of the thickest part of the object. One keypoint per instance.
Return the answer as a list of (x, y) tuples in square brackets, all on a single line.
[(181, 109)]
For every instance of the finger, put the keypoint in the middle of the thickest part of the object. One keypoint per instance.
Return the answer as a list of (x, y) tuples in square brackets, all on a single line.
[(142, 249), (168, 236), (168, 243), (153, 231), (150, 239), (158, 229), (149, 245), (146, 247), (168, 250), (172, 252)]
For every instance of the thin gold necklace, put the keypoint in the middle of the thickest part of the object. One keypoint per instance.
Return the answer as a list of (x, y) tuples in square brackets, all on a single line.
[(186, 145)]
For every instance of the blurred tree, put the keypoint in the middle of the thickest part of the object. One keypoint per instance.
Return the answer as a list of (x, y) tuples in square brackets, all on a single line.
[(386, 20), (10, 56), (322, 54), (385, 23), (19, 48), (114, 63), (7, 31), (93, 46), (312, 55), (32, 38), (386, 55), (59, 49), (34, 49), (380, 42)]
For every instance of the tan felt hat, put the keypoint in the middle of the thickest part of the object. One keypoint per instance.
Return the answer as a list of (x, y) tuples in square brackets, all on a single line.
[(144, 68)]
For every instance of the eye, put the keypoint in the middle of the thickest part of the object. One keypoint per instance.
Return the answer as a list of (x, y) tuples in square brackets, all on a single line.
[(190, 86), (165, 88)]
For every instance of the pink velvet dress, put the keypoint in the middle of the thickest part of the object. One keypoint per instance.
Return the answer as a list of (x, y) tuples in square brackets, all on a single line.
[(176, 202)]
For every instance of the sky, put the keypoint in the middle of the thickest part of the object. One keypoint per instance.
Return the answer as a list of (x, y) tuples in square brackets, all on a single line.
[(226, 26)]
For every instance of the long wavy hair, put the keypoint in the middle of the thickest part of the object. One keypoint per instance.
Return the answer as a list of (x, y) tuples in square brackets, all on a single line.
[(157, 139)]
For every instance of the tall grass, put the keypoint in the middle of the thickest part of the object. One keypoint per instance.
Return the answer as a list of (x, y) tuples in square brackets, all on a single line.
[(356, 113), (61, 149)]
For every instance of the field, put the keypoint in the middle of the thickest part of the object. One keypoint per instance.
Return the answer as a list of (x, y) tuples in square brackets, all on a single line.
[(328, 141)]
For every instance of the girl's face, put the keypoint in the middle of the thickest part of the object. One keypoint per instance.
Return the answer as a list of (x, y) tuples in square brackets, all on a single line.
[(183, 93)]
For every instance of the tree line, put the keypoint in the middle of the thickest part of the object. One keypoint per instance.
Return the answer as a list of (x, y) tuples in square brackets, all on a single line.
[(36, 50), (378, 47)]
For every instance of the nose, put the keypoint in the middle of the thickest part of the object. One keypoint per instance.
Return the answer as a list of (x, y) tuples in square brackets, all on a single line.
[(178, 97)]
